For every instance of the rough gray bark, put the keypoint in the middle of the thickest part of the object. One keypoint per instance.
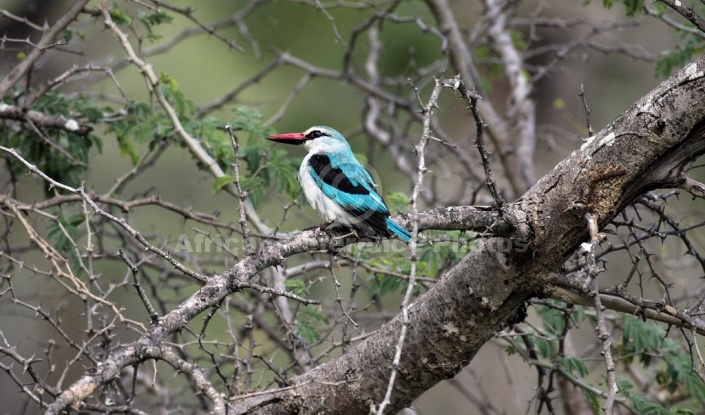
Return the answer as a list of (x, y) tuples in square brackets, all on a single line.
[(645, 148)]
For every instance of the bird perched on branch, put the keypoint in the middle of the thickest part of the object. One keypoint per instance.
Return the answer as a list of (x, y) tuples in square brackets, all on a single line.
[(337, 185)]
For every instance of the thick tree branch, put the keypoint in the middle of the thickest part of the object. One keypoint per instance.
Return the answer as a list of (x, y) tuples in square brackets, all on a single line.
[(687, 11), (633, 306), (693, 187), (14, 112)]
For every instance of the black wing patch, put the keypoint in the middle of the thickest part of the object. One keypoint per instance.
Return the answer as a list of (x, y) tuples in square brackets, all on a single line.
[(374, 219), (320, 163), (334, 176)]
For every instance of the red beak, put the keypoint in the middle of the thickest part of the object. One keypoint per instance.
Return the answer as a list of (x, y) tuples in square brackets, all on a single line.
[(290, 138)]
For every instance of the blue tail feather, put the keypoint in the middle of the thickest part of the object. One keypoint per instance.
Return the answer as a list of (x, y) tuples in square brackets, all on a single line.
[(398, 230)]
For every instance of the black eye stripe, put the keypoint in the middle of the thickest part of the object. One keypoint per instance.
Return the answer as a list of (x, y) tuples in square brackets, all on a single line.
[(315, 134)]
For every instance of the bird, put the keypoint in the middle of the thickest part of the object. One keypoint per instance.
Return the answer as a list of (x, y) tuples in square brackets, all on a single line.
[(337, 185)]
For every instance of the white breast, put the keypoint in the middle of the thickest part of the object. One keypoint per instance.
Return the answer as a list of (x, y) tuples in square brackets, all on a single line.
[(330, 210)]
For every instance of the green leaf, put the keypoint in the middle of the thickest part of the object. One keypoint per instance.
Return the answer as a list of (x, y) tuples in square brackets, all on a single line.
[(168, 80), (641, 338), (255, 187), (253, 156), (625, 387), (285, 170), (695, 387), (385, 284), (641, 405), (221, 182), (553, 319), (678, 57), (249, 121), (150, 20), (633, 6), (90, 109), (143, 125), (296, 286), (119, 16), (644, 407), (68, 35), (545, 347), (183, 106), (659, 8), (62, 240), (128, 149), (518, 40), (594, 401), (307, 332), (154, 19), (213, 139), (574, 365), (443, 254), (397, 201), (313, 314)]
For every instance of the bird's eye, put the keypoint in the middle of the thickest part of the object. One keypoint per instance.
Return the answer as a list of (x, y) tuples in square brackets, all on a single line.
[(315, 134)]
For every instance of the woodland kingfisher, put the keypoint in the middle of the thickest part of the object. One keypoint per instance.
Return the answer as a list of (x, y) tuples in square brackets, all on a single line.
[(337, 185)]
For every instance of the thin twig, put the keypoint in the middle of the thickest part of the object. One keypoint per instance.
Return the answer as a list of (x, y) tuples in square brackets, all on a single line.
[(472, 97), (593, 291), (241, 194), (588, 111), (153, 316), (338, 298), (427, 112), (274, 291)]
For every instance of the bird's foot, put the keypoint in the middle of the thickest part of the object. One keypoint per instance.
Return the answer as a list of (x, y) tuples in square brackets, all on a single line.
[(351, 232), (322, 227), (326, 226)]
